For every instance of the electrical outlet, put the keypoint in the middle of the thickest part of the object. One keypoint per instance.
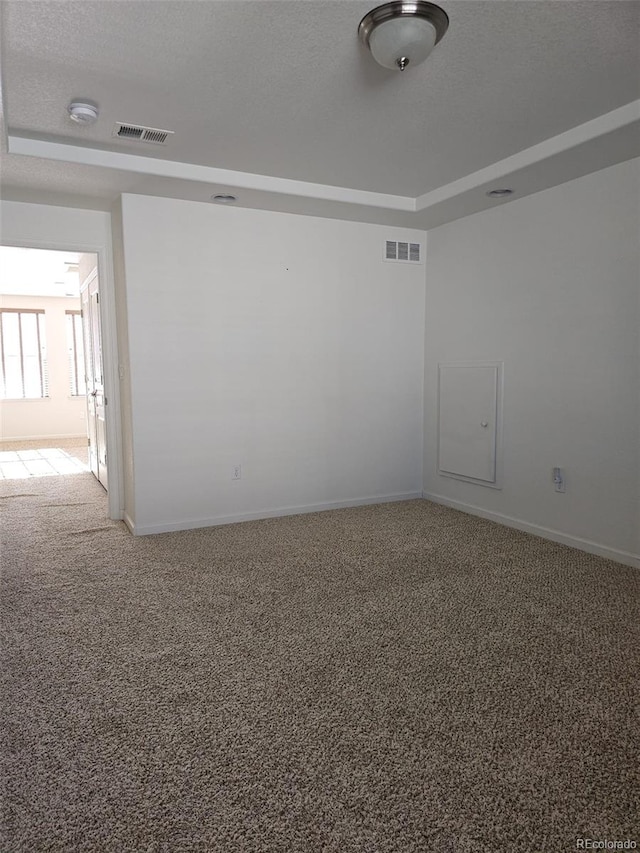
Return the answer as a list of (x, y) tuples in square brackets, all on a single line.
[(237, 472)]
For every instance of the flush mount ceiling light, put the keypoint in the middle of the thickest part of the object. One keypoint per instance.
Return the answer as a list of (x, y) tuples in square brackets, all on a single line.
[(400, 33), (224, 198), (500, 193), (82, 112)]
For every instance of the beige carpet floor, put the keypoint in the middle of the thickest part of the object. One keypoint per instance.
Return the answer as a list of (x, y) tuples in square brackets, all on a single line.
[(399, 678)]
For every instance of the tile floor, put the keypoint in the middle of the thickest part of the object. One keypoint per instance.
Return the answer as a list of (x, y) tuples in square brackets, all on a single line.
[(39, 462)]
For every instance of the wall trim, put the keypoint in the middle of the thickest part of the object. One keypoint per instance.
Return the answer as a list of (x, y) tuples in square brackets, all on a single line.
[(625, 557), (129, 522), (216, 521), (11, 438), (104, 252)]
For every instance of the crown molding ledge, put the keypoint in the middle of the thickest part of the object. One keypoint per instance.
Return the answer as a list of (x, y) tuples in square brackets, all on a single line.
[(49, 150), (466, 194), (629, 114)]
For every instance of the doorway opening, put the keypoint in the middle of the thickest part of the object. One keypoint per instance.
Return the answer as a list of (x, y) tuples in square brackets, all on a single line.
[(52, 403)]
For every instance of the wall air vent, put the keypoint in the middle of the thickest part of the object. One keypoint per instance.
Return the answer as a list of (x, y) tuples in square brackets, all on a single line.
[(138, 133), (405, 252)]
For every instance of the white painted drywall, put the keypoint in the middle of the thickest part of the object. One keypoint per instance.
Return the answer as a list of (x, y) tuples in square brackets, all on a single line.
[(43, 226), (58, 415), (281, 343), (549, 284), (119, 277)]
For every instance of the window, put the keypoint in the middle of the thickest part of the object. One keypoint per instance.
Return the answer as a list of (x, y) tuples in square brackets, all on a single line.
[(75, 349), (23, 354)]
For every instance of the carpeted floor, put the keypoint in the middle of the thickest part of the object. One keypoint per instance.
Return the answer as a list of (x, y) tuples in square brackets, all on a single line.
[(399, 678)]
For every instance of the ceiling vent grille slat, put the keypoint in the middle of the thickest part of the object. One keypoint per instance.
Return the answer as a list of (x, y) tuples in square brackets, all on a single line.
[(158, 136), (130, 132), (139, 133)]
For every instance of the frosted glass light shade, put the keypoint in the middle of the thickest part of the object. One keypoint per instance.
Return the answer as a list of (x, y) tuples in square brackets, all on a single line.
[(403, 32), (409, 39)]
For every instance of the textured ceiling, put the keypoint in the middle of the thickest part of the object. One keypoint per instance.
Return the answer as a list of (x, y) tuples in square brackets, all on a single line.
[(283, 88)]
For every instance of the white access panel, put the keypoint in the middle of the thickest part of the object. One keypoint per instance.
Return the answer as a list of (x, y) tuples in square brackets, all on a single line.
[(469, 414)]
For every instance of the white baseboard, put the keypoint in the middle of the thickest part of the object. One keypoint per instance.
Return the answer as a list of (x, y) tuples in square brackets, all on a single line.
[(625, 557), (216, 521), (7, 438), (128, 521)]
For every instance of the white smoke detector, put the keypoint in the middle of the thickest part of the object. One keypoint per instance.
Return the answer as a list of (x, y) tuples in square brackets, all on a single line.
[(82, 112)]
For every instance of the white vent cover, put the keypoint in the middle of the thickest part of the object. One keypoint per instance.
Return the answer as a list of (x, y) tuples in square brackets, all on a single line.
[(398, 250), (138, 133)]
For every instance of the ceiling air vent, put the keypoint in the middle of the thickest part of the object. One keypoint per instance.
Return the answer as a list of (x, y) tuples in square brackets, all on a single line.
[(405, 252), (138, 133)]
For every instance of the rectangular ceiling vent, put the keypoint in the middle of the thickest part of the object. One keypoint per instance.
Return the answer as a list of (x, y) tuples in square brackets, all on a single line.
[(397, 250), (138, 133)]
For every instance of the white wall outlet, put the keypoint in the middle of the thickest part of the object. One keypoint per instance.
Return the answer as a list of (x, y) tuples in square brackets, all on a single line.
[(237, 472), (559, 480)]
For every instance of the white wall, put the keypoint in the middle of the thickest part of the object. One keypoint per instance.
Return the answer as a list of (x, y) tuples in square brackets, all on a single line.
[(281, 343), (549, 284), (128, 473), (58, 415), (44, 226)]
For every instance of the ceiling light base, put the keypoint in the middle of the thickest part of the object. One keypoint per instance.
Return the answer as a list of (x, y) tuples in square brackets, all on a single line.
[(402, 32)]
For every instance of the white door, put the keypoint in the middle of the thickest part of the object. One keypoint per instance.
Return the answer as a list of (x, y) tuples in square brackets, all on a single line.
[(467, 429), (96, 401)]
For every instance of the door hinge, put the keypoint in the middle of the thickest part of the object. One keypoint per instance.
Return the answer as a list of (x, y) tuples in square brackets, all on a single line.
[(88, 442)]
